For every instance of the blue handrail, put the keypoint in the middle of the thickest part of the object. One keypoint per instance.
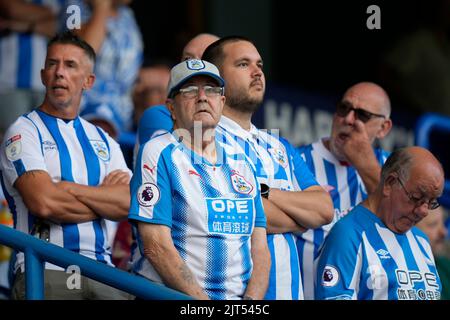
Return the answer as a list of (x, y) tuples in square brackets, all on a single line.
[(424, 126), (38, 251)]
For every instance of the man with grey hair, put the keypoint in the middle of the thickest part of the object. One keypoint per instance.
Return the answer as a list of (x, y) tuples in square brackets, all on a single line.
[(157, 119), (64, 177), (198, 209), (345, 163), (376, 252)]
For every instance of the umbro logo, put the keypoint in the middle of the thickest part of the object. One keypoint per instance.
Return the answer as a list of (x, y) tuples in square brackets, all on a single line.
[(383, 254)]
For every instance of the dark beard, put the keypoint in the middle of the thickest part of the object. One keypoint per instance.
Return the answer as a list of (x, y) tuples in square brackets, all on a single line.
[(243, 103)]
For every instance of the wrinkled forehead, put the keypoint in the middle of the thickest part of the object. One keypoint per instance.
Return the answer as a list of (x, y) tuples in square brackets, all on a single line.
[(67, 52), (427, 178), (366, 100)]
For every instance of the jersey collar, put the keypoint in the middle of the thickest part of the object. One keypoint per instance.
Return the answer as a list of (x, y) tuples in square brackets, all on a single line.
[(68, 122), (233, 127)]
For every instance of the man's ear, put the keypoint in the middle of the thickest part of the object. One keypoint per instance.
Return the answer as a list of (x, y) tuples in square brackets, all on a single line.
[(385, 128), (171, 107), (388, 183), (89, 82), (42, 77)]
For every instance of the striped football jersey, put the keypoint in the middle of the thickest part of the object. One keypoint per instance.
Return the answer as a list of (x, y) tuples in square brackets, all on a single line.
[(363, 260), (277, 165), (74, 151), (211, 210), (346, 189)]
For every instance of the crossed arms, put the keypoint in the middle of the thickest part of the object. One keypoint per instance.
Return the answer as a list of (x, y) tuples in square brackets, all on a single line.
[(68, 202), (296, 211)]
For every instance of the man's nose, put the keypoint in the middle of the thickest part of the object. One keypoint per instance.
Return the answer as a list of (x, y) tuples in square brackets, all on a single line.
[(201, 94), (59, 70), (257, 71), (422, 210), (350, 117)]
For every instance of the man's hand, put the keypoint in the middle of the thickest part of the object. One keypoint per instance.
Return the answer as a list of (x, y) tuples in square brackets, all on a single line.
[(359, 152), (159, 249), (116, 177), (110, 200), (358, 148)]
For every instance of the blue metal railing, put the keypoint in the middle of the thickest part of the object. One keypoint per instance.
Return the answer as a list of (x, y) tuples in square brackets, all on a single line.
[(37, 252), (427, 123)]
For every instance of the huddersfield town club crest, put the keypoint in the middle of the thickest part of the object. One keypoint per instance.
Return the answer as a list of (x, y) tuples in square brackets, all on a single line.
[(195, 64), (279, 156), (240, 184), (101, 149)]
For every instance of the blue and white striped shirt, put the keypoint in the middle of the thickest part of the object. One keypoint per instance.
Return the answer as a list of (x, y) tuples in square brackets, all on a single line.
[(117, 64), (278, 166), (211, 210), (363, 260), (22, 55), (74, 151), (346, 189)]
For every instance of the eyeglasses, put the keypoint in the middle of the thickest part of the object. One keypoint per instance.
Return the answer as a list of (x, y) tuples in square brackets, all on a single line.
[(192, 91), (343, 108), (418, 202)]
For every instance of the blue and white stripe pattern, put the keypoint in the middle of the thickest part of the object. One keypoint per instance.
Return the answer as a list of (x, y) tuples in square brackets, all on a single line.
[(74, 151), (210, 209), (346, 189), (275, 164), (363, 260), (118, 63), (22, 55)]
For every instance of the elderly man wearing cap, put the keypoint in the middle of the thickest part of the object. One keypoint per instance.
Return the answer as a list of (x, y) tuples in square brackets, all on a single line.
[(197, 210)]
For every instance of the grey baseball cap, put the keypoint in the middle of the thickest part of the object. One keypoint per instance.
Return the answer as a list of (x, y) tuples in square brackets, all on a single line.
[(185, 70)]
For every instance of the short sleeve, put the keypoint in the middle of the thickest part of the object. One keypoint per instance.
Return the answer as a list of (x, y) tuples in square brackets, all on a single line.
[(150, 187), (21, 150), (337, 264)]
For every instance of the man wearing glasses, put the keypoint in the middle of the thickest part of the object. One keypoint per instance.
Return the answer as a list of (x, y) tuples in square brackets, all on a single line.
[(376, 252), (345, 163), (198, 211)]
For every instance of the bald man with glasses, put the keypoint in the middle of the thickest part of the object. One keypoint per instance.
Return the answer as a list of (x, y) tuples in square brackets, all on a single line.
[(345, 164), (376, 252)]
